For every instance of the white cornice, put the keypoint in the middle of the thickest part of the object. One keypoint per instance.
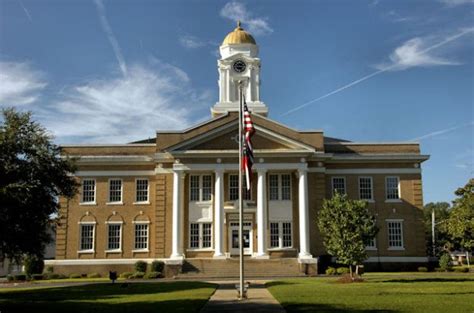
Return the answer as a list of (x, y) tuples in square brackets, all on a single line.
[(235, 167), (378, 157), (86, 145), (114, 159), (374, 171), (113, 173)]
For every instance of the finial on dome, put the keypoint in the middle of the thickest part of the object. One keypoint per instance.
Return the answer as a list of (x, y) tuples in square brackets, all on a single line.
[(238, 24)]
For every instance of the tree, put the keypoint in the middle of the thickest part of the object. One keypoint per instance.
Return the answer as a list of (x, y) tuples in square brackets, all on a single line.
[(460, 224), (32, 177), (441, 210), (346, 226)]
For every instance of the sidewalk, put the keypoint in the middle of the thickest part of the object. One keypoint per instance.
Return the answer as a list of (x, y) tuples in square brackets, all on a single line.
[(259, 300)]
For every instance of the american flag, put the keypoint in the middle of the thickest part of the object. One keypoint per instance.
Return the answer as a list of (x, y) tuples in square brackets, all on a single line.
[(247, 161)]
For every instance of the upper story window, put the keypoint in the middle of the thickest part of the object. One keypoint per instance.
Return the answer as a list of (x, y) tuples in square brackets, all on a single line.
[(339, 185), (200, 188), (115, 190), (279, 186), (86, 240), (395, 234), (366, 188), (88, 191), (234, 189), (392, 188), (142, 190)]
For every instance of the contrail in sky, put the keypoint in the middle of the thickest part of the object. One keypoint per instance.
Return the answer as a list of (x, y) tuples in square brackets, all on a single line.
[(355, 82), (442, 131), (110, 35)]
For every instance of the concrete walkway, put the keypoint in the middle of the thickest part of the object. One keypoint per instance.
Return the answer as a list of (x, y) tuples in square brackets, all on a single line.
[(259, 300)]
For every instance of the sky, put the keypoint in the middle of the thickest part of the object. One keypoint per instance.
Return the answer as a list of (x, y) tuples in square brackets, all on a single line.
[(98, 71)]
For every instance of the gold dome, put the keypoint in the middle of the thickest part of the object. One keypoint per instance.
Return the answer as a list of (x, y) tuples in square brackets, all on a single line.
[(238, 36)]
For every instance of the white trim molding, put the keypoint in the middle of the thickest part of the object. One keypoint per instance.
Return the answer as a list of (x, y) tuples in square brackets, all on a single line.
[(374, 171), (114, 173)]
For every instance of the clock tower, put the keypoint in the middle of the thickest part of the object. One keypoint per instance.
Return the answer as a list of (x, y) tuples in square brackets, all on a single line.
[(239, 62)]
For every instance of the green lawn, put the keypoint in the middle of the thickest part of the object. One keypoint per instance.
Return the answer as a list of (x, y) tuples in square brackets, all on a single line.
[(404, 292), (105, 297)]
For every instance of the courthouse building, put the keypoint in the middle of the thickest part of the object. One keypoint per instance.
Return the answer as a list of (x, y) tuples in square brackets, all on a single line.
[(175, 197)]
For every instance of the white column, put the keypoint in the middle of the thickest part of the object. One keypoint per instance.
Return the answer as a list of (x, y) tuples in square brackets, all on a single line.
[(176, 248), (262, 213), (303, 214), (228, 85), (219, 214)]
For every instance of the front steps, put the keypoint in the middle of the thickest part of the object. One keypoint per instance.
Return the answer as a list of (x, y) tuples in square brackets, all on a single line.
[(229, 268)]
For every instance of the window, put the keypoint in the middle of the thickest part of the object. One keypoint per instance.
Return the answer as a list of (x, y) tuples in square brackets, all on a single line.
[(115, 190), (395, 234), (280, 186), (200, 235), (200, 188), (234, 189), (142, 190), (370, 244), (141, 236), (392, 188), (88, 191), (339, 185), (280, 235), (365, 188), (114, 239), (87, 237)]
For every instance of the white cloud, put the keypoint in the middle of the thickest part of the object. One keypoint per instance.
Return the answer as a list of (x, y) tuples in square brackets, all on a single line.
[(110, 36), (20, 84), (191, 42), (237, 11), (418, 52), (125, 108), (453, 3)]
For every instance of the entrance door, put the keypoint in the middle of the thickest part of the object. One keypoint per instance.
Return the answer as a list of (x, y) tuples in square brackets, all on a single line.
[(234, 238)]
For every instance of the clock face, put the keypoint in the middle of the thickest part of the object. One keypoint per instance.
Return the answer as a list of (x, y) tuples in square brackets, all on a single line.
[(239, 66)]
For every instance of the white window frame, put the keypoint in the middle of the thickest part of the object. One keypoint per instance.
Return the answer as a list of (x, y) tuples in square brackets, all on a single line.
[(280, 186), (121, 193), (399, 199), (247, 194), (201, 188), (94, 202), (280, 236), (147, 191), (395, 248), (371, 188), (147, 249), (93, 224), (119, 249), (332, 184), (372, 247), (200, 246)]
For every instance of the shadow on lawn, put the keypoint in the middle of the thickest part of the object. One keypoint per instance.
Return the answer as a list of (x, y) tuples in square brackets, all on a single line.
[(99, 298), (322, 308), (428, 280)]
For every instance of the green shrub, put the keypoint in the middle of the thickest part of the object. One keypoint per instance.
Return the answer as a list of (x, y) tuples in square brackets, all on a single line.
[(33, 265), (445, 262), (10, 277), (49, 269), (19, 277), (75, 275), (138, 275), (330, 271), (342, 270), (126, 275), (157, 266), (93, 275), (54, 276), (37, 277), (140, 266), (462, 270), (152, 275), (422, 269)]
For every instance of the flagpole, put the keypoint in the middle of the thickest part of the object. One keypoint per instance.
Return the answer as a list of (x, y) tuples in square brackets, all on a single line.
[(242, 294)]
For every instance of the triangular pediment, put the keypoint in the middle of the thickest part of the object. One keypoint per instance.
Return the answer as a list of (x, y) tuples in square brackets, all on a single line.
[(226, 138)]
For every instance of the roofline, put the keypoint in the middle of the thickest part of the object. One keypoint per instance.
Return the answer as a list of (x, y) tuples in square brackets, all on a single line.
[(353, 143), (288, 127), (107, 145)]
